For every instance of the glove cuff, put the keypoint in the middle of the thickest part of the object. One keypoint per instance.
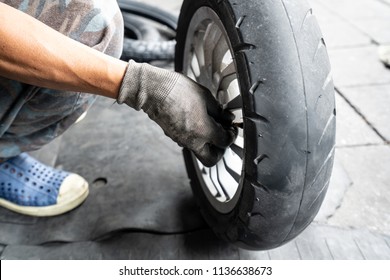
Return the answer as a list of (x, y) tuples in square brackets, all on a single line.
[(128, 92), (144, 86)]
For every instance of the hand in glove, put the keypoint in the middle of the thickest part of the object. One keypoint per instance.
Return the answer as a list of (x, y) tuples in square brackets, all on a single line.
[(186, 111)]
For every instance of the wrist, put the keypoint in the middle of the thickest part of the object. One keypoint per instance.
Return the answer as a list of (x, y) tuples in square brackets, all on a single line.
[(131, 84), (116, 73), (144, 85)]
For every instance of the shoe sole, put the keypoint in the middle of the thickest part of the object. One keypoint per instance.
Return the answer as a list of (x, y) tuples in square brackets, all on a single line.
[(47, 211)]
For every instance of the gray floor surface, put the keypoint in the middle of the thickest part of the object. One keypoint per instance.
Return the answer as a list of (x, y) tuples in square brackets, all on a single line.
[(317, 242)]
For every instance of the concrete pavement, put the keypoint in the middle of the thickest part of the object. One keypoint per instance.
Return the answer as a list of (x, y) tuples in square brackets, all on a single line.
[(353, 30)]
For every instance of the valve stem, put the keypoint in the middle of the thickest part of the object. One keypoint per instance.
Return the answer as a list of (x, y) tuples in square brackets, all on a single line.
[(238, 125)]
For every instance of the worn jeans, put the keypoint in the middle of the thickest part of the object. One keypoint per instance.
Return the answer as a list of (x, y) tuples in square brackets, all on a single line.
[(31, 117)]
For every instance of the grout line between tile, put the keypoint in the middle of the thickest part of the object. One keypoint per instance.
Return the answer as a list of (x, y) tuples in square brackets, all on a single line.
[(362, 116), (373, 41)]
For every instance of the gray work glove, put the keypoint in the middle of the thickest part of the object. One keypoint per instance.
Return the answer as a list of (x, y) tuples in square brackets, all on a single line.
[(186, 111)]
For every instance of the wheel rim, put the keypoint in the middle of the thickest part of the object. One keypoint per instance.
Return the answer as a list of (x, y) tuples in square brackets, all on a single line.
[(208, 59)]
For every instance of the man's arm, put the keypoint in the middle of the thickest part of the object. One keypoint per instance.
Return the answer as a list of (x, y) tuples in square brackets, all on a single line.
[(33, 53)]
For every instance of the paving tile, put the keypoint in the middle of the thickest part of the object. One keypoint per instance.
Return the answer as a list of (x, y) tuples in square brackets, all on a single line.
[(322, 13), (373, 249), (344, 249), (313, 249), (385, 1), (313, 239), (358, 67), (351, 129), (358, 9), (343, 244), (377, 29), (366, 204), (337, 32), (287, 252), (339, 184), (374, 103)]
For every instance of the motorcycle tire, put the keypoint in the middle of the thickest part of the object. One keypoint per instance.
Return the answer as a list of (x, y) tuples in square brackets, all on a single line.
[(272, 181)]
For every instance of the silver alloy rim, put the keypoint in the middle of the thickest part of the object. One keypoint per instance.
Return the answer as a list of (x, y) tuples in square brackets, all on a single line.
[(208, 60)]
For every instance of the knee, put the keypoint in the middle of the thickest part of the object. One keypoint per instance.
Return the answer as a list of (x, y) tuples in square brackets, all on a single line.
[(95, 23), (100, 26)]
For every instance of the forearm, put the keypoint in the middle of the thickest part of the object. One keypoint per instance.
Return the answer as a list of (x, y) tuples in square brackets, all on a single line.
[(33, 53)]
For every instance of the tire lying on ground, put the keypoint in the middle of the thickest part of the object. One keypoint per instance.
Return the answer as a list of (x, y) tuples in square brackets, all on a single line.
[(143, 41), (267, 62)]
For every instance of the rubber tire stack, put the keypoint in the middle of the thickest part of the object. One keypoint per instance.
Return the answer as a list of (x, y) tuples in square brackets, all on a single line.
[(143, 41)]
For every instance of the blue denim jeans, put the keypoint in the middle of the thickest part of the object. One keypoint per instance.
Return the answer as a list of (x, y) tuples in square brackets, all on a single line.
[(31, 117)]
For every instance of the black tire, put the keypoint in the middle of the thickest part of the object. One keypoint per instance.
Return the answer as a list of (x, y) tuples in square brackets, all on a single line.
[(149, 12), (289, 119), (144, 51), (138, 29), (143, 41)]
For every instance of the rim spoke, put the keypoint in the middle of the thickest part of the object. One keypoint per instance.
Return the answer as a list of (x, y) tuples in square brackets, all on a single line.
[(229, 70), (215, 181), (228, 183), (219, 53), (191, 75), (211, 38), (198, 49), (227, 76), (195, 66), (226, 81), (220, 181), (233, 161), (207, 178), (237, 150), (232, 173), (239, 141), (234, 104), (239, 120)]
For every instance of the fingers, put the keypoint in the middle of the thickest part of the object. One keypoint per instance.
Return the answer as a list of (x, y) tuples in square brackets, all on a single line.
[(214, 109), (217, 140), (209, 155), (225, 118), (218, 133), (219, 136), (197, 121)]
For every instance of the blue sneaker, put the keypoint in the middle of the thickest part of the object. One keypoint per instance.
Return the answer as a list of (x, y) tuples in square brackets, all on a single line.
[(32, 188)]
